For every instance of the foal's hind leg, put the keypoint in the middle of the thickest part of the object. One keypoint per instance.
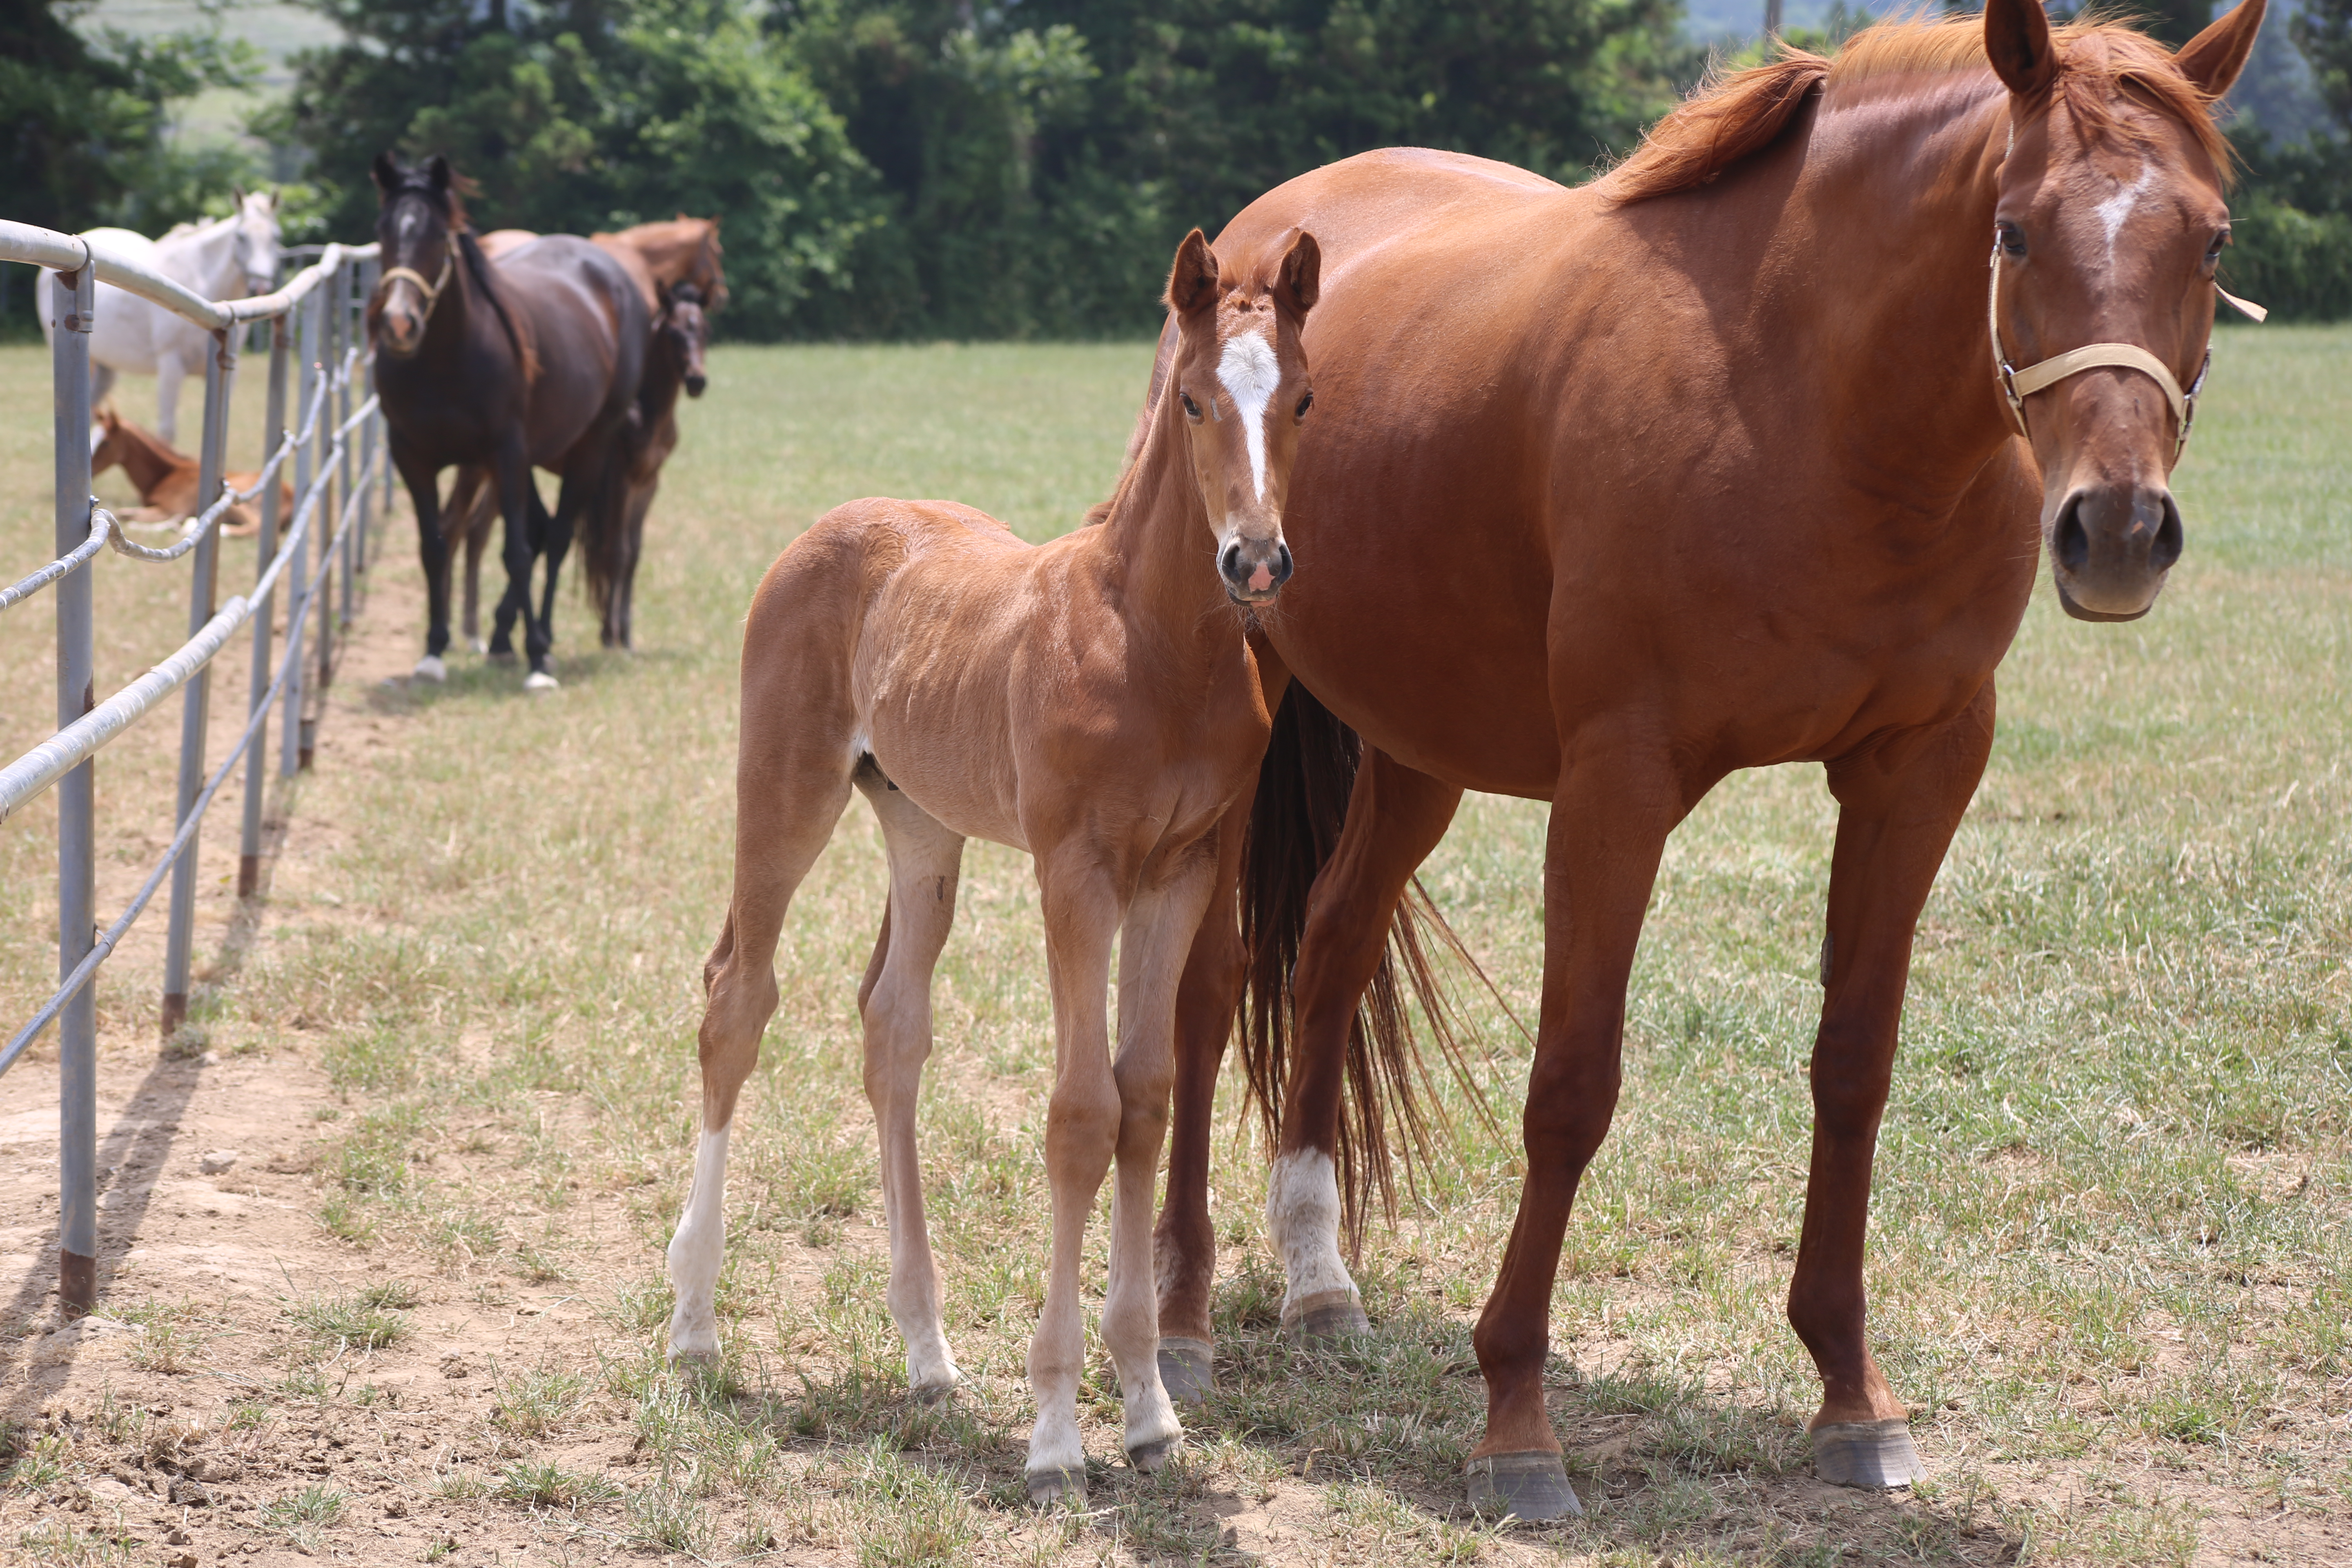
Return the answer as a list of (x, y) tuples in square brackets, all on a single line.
[(896, 1001), (785, 816)]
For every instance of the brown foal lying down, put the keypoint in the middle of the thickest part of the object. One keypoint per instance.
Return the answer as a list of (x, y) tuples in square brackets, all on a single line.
[(1091, 700), (166, 479)]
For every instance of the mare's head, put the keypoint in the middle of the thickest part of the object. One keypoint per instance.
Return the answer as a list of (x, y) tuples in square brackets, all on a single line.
[(2109, 223), (1240, 376), (256, 240), (418, 224), (684, 331)]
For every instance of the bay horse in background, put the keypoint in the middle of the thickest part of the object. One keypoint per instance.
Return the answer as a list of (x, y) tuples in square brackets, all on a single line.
[(538, 365), (1092, 701), (1716, 463)]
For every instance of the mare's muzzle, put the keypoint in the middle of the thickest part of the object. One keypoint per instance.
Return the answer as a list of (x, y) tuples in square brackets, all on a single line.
[(2110, 548), (1255, 568)]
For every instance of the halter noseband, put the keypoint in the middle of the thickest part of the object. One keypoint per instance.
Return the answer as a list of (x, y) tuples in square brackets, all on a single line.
[(2017, 386), (431, 291)]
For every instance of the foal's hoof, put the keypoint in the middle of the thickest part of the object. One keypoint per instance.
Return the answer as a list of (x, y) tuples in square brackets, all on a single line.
[(539, 681), (1531, 1486), (1186, 1370), (1053, 1488), (1329, 1315), (431, 668), (1150, 1458), (1877, 1453), (933, 1392)]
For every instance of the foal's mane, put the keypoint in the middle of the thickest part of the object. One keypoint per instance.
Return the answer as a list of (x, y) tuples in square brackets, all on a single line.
[(1740, 112)]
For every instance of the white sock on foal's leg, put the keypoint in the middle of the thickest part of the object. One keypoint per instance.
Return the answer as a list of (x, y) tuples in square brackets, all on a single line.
[(1302, 1216), (696, 1251)]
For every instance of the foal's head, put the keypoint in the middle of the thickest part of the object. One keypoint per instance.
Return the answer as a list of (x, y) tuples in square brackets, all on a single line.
[(418, 224), (1240, 376), (2109, 223), (684, 329)]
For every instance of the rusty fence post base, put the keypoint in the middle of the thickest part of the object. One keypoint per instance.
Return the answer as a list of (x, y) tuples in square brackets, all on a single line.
[(248, 875), (76, 1283), (176, 1012)]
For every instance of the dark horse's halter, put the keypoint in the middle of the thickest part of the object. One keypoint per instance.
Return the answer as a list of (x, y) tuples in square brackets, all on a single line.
[(2017, 386), (431, 291)]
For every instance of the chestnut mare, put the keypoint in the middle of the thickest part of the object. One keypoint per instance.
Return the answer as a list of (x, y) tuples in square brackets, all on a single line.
[(536, 365), (1705, 467), (1092, 701)]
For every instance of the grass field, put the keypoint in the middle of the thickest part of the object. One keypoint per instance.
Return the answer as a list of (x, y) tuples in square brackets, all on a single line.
[(2111, 1270)]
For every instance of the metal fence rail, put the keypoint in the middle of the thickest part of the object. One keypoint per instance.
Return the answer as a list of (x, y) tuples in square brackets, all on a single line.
[(313, 328)]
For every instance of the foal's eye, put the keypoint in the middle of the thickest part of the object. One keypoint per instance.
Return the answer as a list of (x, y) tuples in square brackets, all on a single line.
[(1305, 404), (2213, 251), (1191, 409), (2011, 238)]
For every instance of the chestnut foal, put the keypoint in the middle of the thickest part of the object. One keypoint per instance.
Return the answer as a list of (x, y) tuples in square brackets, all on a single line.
[(1091, 700)]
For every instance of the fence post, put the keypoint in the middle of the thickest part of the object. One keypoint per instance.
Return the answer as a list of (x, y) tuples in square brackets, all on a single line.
[(345, 272), (196, 707), (73, 297), (273, 429), (331, 356), (366, 291), (294, 729)]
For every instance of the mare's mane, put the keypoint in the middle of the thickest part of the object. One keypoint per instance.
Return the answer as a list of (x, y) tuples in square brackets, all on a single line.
[(1733, 115)]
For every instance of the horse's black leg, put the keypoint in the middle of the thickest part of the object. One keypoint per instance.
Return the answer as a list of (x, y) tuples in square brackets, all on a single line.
[(557, 545), (432, 553), (518, 498)]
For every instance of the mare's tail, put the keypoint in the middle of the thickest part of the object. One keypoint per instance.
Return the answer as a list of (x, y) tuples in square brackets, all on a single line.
[(604, 533), (1302, 803)]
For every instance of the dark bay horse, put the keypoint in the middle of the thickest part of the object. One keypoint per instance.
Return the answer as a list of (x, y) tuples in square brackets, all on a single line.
[(1092, 701), (537, 366), (1709, 465)]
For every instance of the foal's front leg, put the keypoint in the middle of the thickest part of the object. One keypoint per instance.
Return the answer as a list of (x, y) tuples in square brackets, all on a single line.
[(1082, 911), (925, 859)]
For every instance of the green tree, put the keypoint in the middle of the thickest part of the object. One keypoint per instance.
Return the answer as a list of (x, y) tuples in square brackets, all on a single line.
[(2291, 217)]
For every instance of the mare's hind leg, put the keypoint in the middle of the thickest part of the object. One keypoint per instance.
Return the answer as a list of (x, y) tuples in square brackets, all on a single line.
[(1152, 946), (1897, 814), (789, 797), (895, 1000), (1395, 818)]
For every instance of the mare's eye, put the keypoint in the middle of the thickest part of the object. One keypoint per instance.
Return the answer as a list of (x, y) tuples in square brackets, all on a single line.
[(1305, 404), (2213, 251), (2011, 238), (1191, 409)]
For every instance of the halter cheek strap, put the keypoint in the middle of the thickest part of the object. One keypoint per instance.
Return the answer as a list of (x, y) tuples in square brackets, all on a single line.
[(2017, 386)]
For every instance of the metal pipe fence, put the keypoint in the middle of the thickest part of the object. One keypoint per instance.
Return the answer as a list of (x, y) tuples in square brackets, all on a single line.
[(314, 330)]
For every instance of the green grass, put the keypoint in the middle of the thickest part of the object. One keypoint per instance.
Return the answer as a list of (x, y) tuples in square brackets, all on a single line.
[(2110, 1265)]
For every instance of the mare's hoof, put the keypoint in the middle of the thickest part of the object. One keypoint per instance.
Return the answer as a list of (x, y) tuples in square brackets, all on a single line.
[(1531, 1486), (1150, 1458), (1186, 1370), (1877, 1453), (1329, 1315), (431, 668), (501, 656), (1053, 1489), (539, 681)]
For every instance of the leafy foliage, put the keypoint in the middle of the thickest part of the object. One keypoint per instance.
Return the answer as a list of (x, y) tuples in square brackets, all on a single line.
[(2292, 223)]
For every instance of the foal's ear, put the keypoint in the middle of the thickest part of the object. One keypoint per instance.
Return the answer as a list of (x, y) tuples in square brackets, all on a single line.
[(1297, 283), (385, 173), (2016, 41), (2213, 59), (1192, 281)]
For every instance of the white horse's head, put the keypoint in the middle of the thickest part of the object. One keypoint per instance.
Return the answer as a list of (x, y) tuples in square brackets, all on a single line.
[(257, 239)]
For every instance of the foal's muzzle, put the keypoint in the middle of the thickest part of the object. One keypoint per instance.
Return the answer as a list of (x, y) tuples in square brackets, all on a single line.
[(695, 383), (2110, 548), (1255, 568)]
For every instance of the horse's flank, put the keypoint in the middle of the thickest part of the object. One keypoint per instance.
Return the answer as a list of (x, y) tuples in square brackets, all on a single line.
[(1745, 111)]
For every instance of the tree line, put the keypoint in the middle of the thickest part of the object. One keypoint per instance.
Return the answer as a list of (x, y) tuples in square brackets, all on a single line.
[(950, 168)]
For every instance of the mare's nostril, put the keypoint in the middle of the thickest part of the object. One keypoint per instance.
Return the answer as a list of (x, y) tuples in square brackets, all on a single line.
[(2071, 545), (1231, 565), (2170, 540), (1281, 563)]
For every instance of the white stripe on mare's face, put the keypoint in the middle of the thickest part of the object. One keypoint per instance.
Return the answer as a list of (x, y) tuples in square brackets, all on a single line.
[(2117, 208), (1250, 376)]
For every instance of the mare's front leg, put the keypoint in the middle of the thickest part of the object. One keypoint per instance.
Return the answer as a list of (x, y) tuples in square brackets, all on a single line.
[(517, 498), (896, 1001), (1395, 818), (1618, 797), (1082, 911), (424, 484), (169, 372), (1898, 805), (1153, 944)]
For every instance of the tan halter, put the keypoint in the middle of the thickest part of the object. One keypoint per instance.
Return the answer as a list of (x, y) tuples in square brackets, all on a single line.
[(431, 291), (2017, 386)]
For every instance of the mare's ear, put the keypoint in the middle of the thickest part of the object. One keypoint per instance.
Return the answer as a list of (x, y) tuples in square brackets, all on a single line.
[(1297, 283), (2016, 41), (2213, 59), (437, 173), (385, 173), (1192, 281)]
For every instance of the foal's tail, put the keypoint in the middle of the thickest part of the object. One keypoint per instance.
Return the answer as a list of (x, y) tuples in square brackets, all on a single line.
[(1302, 802)]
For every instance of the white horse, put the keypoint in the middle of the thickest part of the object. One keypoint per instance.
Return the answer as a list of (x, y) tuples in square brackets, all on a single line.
[(226, 259)]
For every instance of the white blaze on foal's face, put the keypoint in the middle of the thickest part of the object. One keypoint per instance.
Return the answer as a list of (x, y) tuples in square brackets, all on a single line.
[(1250, 374)]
